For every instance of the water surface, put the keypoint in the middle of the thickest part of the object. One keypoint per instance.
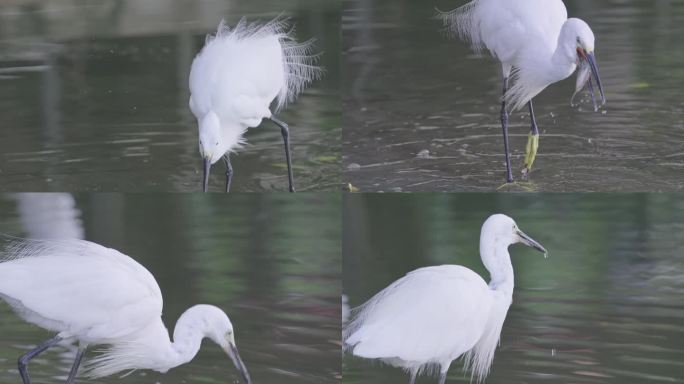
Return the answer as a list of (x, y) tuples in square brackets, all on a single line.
[(271, 262), (605, 307), (94, 97), (422, 112)]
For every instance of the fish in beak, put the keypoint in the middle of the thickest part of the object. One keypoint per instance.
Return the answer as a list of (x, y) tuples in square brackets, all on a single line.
[(530, 242), (588, 74), (232, 352)]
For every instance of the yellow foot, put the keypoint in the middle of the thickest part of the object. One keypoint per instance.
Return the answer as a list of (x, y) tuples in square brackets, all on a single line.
[(530, 153)]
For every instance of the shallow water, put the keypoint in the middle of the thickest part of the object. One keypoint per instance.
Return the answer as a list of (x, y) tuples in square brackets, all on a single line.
[(605, 307), (422, 112), (271, 262), (93, 97)]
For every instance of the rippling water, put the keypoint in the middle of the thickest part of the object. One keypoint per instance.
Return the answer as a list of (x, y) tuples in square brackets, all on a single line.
[(422, 112), (605, 307), (93, 97), (271, 262)]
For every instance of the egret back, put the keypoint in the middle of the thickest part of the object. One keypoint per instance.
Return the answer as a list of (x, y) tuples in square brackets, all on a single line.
[(522, 34), (429, 317), (240, 71), (78, 288), (505, 27)]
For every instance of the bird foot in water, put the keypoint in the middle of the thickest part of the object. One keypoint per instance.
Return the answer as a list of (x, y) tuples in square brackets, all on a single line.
[(525, 173), (524, 186)]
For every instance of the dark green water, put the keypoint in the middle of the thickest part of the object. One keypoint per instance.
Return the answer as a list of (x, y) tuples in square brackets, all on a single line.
[(271, 262), (605, 307), (94, 97), (408, 89)]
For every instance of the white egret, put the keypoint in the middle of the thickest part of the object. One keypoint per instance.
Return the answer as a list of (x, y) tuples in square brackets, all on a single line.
[(95, 295), (235, 78), (433, 315), (536, 44)]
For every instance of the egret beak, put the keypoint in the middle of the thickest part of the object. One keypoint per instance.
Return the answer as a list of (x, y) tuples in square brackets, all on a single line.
[(530, 242), (232, 352), (587, 69), (594, 71), (205, 177)]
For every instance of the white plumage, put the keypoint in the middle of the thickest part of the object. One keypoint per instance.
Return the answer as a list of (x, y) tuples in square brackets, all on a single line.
[(434, 315), (239, 73), (536, 44), (95, 295)]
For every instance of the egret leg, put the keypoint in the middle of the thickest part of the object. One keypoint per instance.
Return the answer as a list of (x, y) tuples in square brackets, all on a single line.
[(286, 140), (532, 143), (504, 126), (229, 171), (442, 377), (413, 377), (24, 360), (74, 369)]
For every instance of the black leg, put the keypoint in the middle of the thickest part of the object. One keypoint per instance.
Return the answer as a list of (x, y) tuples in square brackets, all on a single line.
[(286, 140), (413, 377), (442, 378), (24, 360), (504, 126), (229, 171), (74, 368), (534, 130)]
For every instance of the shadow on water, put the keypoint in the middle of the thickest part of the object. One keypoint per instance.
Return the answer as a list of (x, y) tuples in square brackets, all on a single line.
[(271, 262), (422, 112), (94, 96), (605, 307)]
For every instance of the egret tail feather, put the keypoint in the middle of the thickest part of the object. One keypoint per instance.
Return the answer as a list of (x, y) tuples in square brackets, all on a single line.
[(461, 23)]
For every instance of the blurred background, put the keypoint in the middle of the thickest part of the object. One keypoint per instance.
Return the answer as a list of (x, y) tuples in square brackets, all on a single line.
[(605, 307), (272, 262), (422, 111), (94, 96)]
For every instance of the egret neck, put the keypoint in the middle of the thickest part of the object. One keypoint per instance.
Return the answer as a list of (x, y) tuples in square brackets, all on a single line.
[(497, 260)]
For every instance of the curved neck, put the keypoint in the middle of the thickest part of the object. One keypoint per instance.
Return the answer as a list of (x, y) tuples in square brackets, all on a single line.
[(164, 354), (497, 260), (564, 58), (187, 337)]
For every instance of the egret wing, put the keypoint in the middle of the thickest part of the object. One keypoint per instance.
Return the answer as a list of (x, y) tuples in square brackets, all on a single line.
[(432, 314), (78, 287)]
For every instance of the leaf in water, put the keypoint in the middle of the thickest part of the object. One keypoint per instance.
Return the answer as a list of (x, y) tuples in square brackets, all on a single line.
[(641, 85), (326, 159)]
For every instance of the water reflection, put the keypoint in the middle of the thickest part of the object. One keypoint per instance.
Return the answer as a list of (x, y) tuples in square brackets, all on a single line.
[(95, 97), (604, 307), (423, 110), (271, 262)]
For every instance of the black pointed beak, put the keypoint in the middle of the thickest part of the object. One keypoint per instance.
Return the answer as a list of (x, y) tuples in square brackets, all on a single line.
[(205, 177), (530, 242), (237, 361), (591, 59)]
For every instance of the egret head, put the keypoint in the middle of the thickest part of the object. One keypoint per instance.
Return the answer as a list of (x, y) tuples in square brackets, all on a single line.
[(502, 229), (219, 329), (578, 35), (210, 141)]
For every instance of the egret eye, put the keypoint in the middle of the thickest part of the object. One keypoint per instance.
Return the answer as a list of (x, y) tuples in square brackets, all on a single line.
[(217, 142)]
